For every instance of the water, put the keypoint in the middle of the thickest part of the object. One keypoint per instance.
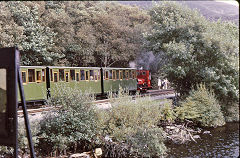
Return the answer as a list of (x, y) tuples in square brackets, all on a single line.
[(223, 142)]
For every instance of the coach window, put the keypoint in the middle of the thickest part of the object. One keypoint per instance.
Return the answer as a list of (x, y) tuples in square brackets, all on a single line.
[(110, 75), (77, 76), (117, 74), (96, 75), (24, 77), (39, 76), (51, 74), (87, 75), (114, 75), (31, 75), (121, 75), (61, 74), (126, 74), (72, 75), (82, 75), (106, 75), (55, 75), (43, 75), (130, 74), (91, 75)]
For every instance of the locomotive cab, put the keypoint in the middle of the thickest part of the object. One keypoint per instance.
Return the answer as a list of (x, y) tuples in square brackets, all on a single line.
[(144, 80)]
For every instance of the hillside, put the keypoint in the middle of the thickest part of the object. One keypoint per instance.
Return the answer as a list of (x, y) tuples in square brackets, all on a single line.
[(210, 9)]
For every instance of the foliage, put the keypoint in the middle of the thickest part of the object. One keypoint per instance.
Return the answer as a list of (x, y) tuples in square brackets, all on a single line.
[(72, 127), (126, 115), (129, 120), (38, 42), (73, 33), (231, 113), (147, 142), (201, 107), (195, 50), (167, 112), (22, 135)]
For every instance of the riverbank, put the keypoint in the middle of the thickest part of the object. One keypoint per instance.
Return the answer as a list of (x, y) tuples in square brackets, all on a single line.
[(221, 141)]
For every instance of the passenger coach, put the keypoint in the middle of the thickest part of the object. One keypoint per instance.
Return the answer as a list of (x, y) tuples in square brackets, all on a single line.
[(39, 81)]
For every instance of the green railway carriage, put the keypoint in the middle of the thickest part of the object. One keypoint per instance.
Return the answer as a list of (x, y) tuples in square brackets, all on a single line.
[(116, 77), (39, 82), (87, 79)]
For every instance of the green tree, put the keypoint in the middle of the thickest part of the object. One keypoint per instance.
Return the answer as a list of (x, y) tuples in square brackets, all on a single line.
[(10, 33), (195, 50), (119, 33), (73, 33), (38, 44)]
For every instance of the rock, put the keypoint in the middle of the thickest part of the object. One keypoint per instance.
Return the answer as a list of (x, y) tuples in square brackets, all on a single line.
[(82, 155), (98, 152), (196, 137), (206, 132)]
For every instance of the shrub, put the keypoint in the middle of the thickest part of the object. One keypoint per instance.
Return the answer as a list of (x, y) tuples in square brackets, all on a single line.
[(167, 112), (73, 126), (201, 107), (128, 121), (127, 114), (147, 142), (231, 113), (23, 143)]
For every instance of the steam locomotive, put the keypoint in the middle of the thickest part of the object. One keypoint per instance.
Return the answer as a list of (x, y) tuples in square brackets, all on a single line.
[(144, 80)]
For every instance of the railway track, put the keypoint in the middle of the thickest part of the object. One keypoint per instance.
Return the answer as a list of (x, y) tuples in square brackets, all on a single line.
[(160, 92), (104, 103)]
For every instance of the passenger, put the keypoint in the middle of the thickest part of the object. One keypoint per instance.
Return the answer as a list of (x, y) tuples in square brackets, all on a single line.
[(163, 84), (159, 84)]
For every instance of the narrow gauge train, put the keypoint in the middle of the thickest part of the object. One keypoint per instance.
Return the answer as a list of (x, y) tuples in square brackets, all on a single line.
[(39, 81), (144, 80)]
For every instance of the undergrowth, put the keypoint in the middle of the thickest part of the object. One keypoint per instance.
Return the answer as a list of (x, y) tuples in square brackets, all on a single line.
[(71, 128), (202, 108)]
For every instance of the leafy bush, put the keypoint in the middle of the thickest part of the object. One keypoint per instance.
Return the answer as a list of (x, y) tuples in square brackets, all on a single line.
[(127, 114), (73, 126), (231, 113), (147, 142), (167, 113), (129, 120), (201, 107), (22, 135)]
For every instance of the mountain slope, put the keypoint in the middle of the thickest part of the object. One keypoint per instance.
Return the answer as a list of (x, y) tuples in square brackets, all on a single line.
[(212, 10)]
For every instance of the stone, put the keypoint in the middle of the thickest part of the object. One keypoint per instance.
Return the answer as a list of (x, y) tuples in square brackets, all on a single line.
[(98, 152), (196, 137), (206, 132)]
